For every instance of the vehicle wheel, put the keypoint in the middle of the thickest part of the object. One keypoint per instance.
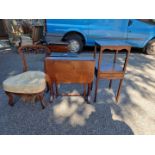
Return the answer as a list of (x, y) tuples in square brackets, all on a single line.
[(75, 43), (150, 48)]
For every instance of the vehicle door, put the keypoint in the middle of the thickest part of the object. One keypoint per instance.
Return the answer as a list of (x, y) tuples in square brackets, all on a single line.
[(58, 28), (139, 32), (107, 29)]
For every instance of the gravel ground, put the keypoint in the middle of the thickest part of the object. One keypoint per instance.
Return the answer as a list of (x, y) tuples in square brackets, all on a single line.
[(134, 114)]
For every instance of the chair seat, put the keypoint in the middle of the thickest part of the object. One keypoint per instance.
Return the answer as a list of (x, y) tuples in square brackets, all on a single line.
[(29, 82), (110, 68)]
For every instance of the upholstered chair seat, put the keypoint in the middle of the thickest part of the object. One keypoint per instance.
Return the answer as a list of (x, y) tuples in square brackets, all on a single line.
[(30, 82)]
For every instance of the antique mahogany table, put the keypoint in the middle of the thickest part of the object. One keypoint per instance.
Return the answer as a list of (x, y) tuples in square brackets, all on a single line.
[(70, 69)]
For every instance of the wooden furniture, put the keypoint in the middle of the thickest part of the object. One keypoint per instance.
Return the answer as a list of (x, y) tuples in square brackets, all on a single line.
[(67, 70), (113, 70), (63, 54), (29, 83), (58, 46), (32, 48)]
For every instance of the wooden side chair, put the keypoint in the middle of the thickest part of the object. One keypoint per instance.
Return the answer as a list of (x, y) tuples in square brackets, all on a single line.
[(29, 83), (111, 70)]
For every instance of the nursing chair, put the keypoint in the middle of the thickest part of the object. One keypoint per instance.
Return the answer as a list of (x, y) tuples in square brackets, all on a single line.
[(29, 83)]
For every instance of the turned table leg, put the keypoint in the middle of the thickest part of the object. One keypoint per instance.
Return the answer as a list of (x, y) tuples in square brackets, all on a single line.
[(119, 89), (110, 84), (88, 92), (51, 93)]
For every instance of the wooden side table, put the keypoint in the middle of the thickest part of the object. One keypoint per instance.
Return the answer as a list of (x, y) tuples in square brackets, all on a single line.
[(114, 70), (67, 70)]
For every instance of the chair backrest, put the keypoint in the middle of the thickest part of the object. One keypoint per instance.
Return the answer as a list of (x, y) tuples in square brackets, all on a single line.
[(115, 50), (23, 50), (70, 70)]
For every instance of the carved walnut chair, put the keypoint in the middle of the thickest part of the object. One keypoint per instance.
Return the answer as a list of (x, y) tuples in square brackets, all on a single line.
[(28, 83)]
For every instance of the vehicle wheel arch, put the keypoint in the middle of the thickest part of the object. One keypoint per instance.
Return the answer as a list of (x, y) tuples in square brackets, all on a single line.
[(147, 44)]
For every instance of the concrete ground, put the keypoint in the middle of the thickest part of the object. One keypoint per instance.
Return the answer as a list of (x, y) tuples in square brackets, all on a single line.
[(134, 114)]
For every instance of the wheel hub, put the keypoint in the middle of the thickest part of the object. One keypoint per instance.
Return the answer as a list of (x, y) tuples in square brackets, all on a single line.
[(74, 46)]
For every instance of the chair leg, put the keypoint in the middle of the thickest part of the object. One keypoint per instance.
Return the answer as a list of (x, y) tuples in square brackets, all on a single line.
[(10, 96), (41, 98), (47, 88), (110, 84), (119, 89), (96, 88)]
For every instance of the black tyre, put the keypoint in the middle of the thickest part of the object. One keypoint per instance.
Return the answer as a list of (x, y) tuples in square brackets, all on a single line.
[(150, 47), (75, 42)]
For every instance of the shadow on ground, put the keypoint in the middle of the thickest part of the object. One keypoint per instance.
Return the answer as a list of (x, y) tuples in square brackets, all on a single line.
[(66, 116), (136, 105)]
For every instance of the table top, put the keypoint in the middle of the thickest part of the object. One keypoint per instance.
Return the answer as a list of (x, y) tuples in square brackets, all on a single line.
[(112, 43), (71, 58)]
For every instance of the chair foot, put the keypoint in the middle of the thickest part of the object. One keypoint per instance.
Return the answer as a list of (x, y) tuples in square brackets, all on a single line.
[(10, 96), (41, 98)]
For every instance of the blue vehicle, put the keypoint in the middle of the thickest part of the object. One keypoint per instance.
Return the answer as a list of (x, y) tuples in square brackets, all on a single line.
[(84, 32)]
